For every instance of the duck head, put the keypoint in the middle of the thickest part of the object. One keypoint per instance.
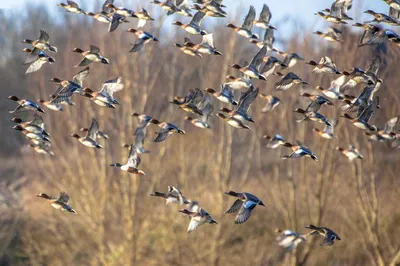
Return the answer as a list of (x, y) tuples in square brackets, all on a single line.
[(18, 127), (75, 136), (43, 195), (16, 120), (177, 23), (13, 98)]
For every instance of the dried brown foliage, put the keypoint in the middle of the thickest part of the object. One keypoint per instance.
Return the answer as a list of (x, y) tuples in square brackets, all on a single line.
[(118, 223)]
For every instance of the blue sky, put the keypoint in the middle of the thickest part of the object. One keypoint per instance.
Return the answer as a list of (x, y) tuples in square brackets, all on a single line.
[(299, 9), (296, 8), (300, 12)]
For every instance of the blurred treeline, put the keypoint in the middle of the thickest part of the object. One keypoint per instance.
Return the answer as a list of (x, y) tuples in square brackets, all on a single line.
[(118, 223)]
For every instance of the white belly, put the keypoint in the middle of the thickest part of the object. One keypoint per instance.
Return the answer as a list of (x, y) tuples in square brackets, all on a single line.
[(360, 125), (92, 57), (192, 30), (88, 143), (54, 107), (244, 33)]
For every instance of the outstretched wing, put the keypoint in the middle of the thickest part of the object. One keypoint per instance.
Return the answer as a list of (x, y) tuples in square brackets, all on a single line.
[(245, 212), (64, 198), (374, 66), (247, 98), (35, 66), (208, 39), (162, 135), (133, 159), (137, 46), (33, 56), (93, 130), (258, 58), (81, 76), (235, 206), (249, 19), (44, 36), (265, 14), (112, 85), (196, 20), (389, 126)]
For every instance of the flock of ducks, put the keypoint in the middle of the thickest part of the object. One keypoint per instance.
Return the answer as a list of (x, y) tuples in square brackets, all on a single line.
[(198, 103)]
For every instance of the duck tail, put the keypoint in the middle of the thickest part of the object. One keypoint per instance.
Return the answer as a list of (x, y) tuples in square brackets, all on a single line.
[(72, 211), (98, 146)]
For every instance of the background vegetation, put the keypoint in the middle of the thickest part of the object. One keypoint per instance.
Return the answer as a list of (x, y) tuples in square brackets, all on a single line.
[(118, 223)]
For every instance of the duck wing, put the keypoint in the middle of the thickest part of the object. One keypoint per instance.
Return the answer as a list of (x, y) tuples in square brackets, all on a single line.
[(84, 62), (72, 4), (374, 66), (265, 14), (235, 206), (196, 20), (247, 98), (269, 38), (35, 66), (137, 45), (286, 82), (139, 141), (64, 198), (94, 49), (112, 85), (208, 39), (206, 107), (249, 19), (369, 34), (32, 56), (258, 58), (141, 128), (195, 222), (114, 22), (93, 130), (389, 126), (177, 193), (338, 83), (194, 97), (369, 111), (81, 76), (37, 121), (133, 158), (105, 8), (314, 106), (44, 36), (162, 135), (245, 211), (394, 13)]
